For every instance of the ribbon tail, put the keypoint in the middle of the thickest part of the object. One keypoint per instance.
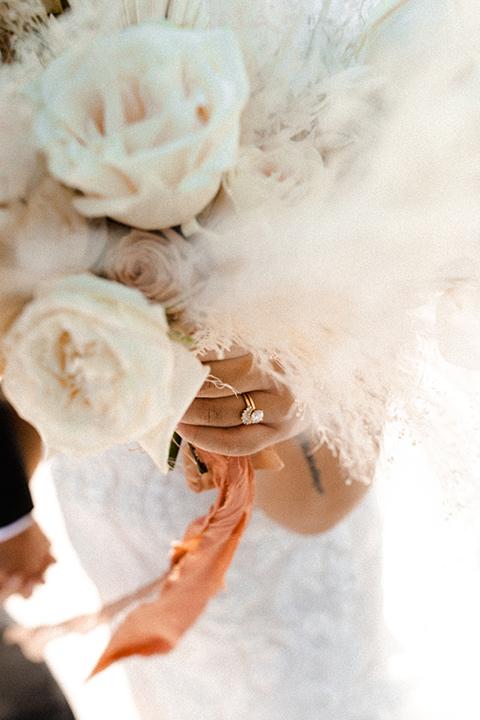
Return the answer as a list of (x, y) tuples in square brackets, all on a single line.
[(198, 566), (33, 640)]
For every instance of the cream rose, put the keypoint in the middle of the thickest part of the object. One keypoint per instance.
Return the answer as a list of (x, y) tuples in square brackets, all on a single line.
[(18, 156), (90, 364), (283, 174), (163, 267), (143, 122)]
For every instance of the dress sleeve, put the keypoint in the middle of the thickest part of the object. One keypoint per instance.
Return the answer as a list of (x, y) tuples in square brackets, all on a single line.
[(15, 498)]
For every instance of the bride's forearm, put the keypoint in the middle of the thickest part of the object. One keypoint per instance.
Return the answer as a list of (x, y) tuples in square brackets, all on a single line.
[(310, 494)]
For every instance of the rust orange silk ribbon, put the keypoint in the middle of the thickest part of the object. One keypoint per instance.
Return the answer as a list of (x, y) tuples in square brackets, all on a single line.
[(198, 565), (159, 614)]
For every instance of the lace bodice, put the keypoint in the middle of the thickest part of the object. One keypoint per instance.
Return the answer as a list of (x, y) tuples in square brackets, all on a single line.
[(298, 632)]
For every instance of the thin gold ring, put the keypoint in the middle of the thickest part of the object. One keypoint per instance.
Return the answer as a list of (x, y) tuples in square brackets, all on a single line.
[(251, 415)]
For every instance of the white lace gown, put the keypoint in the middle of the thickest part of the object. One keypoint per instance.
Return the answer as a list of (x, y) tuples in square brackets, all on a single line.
[(298, 633)]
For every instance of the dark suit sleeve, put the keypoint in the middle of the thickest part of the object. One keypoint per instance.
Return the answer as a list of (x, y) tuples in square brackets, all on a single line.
[(15, 498)]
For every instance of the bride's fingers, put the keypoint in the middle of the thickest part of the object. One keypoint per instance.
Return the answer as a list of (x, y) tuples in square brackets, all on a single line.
[(236, 441), (233, 377), (214, 420), (227, 411)]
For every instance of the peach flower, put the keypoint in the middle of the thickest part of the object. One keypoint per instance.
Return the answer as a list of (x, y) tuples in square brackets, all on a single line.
[(163, 267)]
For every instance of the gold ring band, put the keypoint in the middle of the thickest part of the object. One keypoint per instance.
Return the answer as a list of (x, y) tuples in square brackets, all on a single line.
[(250, 415)]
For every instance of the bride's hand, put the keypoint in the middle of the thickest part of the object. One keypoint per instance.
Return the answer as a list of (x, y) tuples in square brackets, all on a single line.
[(214, 420)]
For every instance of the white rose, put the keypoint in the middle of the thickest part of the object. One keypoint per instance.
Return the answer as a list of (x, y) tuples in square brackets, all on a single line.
[(90, 364), (143, 122), (283, 175)]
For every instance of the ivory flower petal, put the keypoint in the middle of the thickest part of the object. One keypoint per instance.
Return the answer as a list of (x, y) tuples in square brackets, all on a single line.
[(90, 364), (157, 442), (144, 122), (283, 175)]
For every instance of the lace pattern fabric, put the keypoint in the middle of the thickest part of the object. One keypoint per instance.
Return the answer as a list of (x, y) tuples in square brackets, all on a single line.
[(298, 632)]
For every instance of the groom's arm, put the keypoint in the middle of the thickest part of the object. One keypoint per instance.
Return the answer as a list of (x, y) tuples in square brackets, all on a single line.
[(15, 499), (24, 548)]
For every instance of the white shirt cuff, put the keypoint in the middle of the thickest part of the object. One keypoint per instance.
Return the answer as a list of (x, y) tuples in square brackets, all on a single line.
[(15, 528)]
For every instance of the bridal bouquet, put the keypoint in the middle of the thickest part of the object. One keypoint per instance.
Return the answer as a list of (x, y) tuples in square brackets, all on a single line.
[(139, 126), (148, 153), (177, 176), (143, 148)]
